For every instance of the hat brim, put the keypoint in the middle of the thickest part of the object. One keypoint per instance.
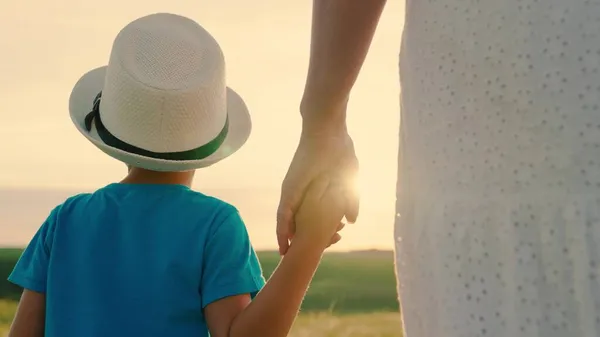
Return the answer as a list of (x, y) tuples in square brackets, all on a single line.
[(81, 103)]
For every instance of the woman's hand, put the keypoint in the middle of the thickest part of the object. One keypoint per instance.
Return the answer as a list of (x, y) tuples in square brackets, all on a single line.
[(318, 153)]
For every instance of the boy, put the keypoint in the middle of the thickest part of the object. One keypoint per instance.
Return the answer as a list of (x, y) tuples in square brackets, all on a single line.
[(148, 256)]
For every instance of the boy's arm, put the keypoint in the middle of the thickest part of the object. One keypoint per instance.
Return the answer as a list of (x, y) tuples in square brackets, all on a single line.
[(274, 309), (30, 273), (30, 317)]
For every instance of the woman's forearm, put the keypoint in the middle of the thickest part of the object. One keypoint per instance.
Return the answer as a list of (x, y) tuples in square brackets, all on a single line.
[(342, 31)]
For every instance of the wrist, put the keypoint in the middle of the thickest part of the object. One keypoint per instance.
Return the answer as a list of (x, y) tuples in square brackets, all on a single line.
[(325, 127), (311, 246), (323, 118)]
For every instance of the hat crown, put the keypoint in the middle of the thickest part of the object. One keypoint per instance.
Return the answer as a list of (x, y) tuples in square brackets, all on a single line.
[(165, 87)]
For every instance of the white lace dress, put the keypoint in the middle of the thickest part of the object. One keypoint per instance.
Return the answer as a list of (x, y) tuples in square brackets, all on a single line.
[(498, 224)]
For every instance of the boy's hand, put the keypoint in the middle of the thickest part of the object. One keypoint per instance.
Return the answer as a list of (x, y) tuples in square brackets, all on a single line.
[(319, 216)]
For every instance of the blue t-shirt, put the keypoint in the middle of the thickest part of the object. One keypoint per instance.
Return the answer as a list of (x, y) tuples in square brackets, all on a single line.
[(137, 260)]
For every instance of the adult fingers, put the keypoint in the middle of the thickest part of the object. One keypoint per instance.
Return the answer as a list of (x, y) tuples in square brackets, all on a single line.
[(352, 192), (352, 206), (317, 188), (334, 200), (284, 224), (292, 190), (292, 195)]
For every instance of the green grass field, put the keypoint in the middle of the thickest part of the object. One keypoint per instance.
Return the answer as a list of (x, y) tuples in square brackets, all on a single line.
[(352, 295)]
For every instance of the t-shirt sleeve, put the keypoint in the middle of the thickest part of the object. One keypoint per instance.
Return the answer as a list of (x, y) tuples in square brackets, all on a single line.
[(230, 264), (31, 269)]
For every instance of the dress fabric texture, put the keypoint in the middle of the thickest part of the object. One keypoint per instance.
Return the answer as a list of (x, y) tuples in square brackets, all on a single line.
[(498, 198)]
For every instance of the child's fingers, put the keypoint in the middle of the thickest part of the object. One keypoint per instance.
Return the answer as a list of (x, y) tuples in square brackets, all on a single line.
[(353, 206), (335, 239), (284, 230)]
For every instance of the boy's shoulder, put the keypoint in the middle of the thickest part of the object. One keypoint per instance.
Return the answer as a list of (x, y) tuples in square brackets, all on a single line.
[(222, 209), (182, 198), (71, 202)]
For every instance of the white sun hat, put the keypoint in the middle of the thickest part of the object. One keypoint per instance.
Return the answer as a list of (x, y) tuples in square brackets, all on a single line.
[(162, 102)]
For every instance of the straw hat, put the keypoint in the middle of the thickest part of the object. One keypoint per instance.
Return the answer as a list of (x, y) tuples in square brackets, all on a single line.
[(162, 103)]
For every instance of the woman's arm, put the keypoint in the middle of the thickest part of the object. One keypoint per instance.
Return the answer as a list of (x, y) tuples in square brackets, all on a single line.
[(342, 31)]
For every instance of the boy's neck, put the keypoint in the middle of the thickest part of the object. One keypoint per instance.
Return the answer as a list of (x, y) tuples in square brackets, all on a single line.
[(142, 176)]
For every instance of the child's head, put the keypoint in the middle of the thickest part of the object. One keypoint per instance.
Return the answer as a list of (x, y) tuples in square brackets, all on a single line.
[(161, 105)]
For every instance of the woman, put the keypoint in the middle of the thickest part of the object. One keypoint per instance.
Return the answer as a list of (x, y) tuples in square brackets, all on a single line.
[(498, 195)]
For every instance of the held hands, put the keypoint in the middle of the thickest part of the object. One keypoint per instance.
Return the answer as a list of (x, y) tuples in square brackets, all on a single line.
[(318, 154), (318, 219)]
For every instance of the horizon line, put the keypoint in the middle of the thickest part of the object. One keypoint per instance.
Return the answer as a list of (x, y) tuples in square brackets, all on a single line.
[(372, 250)]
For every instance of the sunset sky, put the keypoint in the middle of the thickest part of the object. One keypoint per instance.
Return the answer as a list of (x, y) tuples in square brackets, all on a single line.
[(47, 45)]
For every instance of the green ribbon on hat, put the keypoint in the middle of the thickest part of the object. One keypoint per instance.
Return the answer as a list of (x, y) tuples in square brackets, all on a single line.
[(109, 139)]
